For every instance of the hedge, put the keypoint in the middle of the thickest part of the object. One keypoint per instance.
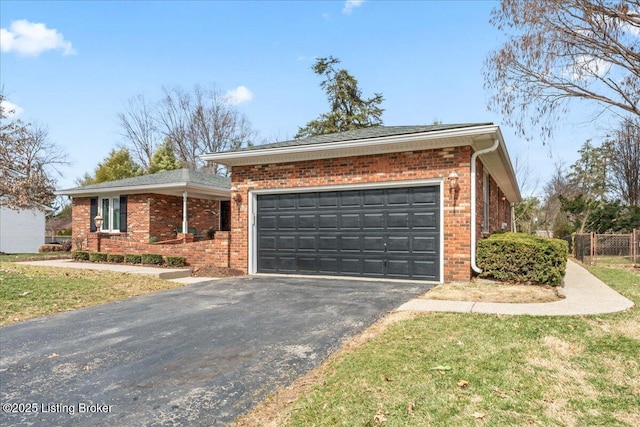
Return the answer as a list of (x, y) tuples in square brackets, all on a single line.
[(523, 258), (97, 257), (80, 255), (176, 261), (133, 259), (53, 247), (155, 259), (115, 258)]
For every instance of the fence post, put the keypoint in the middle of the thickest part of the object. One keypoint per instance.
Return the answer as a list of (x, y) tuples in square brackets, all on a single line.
[(593, 248)]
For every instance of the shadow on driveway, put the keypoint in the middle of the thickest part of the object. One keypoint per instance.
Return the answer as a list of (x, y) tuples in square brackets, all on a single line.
[(198, 355)]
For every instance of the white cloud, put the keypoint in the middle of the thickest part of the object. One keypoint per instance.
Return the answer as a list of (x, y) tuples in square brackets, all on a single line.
[(9, 109), (31, 39), (238, 95), (349, 5)]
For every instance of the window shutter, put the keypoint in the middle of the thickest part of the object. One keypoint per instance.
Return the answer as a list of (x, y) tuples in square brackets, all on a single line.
[(93, 211), (123, 213)]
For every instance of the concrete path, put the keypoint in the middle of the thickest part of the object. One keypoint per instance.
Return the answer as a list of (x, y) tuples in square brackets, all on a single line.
[(584, 294), (162, 273)]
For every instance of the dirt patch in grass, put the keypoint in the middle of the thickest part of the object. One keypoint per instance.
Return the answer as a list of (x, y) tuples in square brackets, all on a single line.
[(212, 271), (486, 291)]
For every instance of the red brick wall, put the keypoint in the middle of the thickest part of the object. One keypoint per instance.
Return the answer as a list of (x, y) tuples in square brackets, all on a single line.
[(430, 164), (499, 206), (214, 252), (149, 215)]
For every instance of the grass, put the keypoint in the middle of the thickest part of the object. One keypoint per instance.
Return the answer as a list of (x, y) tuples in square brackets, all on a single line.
[(28, 291), (487, 291), (34, 256), (477, 370)]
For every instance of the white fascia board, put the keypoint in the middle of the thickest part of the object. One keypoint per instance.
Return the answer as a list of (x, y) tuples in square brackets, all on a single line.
[(177, 186), (386, 144)]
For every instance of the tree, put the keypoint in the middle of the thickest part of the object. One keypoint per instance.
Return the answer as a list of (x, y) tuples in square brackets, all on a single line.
[(349, 110), (138, 127), (164, 159), (28, 161), (194, 122), (624, 152), (117, 165), (563, 50)]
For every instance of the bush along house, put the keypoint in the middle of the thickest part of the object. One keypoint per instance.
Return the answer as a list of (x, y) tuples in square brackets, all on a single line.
[(176, 213), (393, 202)]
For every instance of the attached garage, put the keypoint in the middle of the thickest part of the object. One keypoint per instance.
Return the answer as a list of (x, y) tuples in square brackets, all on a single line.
[(389, 202), (380, 232)]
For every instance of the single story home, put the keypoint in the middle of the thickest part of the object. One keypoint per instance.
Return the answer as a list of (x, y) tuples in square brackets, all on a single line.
[(393, 202), (172, 213), (21, 230), (397, 202)]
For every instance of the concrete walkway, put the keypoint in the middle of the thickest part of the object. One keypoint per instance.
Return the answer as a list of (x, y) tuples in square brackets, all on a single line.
[(584, 294), (182, 275)]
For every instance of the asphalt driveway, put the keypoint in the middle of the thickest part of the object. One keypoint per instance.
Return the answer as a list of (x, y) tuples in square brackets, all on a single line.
[(198, 355)]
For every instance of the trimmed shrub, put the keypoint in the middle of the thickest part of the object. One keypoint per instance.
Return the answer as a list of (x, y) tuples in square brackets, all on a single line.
[(176, 261), (133, 259), (80, 255), (115, 258), (153, 239), (523, 258), (51, 247), (154, 259), (97, 257)]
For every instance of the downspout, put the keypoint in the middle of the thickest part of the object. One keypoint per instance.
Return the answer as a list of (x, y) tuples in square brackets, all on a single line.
[(474, 156)]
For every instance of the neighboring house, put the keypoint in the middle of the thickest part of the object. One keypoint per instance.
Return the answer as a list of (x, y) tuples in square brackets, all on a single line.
[(21, 231), (404, 202), (155, 208)]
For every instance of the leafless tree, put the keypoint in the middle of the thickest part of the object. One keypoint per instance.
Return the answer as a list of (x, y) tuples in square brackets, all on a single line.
[(562, 50), (138, 127), (624, 168), (28, 162), (194, 122)]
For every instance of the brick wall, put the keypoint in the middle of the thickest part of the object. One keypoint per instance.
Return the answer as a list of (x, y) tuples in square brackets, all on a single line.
[(428, 164), (499, 206), (153, 215), (214, 252)]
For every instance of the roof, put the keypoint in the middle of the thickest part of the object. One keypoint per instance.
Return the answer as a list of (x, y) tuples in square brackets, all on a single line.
[(360, 134), (385, 139), (175, 182)]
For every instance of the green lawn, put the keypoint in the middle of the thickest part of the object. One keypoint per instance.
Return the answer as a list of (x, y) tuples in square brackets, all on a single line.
[(28, 291), (34, 256), (472, 369)]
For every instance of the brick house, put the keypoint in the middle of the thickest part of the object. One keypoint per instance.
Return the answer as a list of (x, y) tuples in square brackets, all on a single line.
[(172, 213), (400, 202)]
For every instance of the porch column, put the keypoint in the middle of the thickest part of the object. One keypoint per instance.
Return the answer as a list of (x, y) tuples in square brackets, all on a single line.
[(185, 224)]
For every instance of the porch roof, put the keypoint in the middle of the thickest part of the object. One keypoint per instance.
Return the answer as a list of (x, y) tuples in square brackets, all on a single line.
[(196, 183)]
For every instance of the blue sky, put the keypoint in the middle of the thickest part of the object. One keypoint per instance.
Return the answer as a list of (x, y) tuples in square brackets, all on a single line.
[(77, 69)]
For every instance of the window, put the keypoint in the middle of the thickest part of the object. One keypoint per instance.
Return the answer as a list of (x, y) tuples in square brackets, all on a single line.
[(486, 201), (113, 211)]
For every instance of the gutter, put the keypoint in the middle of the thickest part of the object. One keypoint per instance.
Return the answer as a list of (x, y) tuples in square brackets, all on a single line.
[(475, 155)]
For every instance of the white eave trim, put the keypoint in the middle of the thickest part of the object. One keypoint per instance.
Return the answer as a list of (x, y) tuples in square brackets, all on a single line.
[(386, 144), (177, 186)]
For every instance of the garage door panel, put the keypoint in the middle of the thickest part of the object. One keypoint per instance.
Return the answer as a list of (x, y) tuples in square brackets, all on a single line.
[(371, 221), (350, 221), (328, 243), (307, 243), (426, 220), (372, 233), (398, 220)]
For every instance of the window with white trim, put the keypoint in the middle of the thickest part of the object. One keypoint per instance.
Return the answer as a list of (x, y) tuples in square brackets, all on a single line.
[(110, 212)]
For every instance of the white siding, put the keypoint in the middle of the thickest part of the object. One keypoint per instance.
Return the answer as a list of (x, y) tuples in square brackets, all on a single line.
[(21, 231)]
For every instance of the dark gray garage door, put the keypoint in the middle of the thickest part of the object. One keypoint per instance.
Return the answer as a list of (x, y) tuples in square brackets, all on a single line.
[(392, 232)]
